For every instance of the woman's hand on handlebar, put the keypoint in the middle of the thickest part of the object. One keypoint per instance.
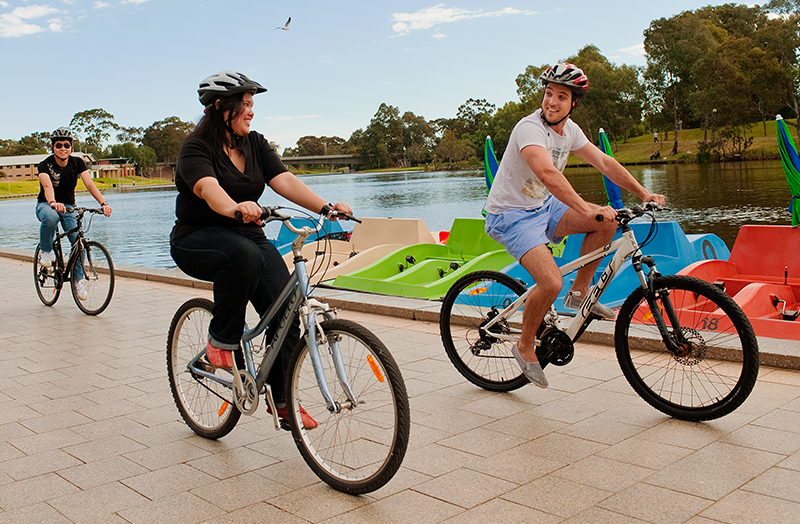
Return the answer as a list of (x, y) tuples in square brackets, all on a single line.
[(250, 212), (340, 207)]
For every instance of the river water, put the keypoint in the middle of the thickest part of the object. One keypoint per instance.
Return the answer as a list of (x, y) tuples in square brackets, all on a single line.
[(717, 199)]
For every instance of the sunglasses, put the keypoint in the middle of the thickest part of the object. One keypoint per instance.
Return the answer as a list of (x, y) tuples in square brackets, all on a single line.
[(63, 145)]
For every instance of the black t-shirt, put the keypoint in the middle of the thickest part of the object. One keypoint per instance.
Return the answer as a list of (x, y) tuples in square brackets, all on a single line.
[(198, 159), (64, 178)]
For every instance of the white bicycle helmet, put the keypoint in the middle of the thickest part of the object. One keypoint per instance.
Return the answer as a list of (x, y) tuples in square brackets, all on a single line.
[(226, 83), (568, 75)]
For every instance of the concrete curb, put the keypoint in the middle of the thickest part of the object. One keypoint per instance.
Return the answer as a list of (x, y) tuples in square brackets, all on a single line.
[(774, 352)]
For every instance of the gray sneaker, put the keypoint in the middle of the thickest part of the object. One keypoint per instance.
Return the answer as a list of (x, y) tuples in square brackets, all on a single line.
[(532, 370), (44, 259), (574, 301)]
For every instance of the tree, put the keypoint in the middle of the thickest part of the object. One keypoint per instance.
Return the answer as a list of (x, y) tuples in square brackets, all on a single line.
[(131, 134), (451, 149), (142, 156), (529, 88), (93, 127), (165, 138)]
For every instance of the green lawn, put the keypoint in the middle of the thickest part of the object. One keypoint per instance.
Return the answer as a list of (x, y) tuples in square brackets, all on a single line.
[(28, 187)]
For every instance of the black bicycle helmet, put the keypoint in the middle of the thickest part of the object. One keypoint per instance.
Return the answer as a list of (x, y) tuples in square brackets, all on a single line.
[(226, 83), (62, 133), (568, 75)]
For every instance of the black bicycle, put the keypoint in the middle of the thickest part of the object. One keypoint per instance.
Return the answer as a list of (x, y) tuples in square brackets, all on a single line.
[(98, 269)]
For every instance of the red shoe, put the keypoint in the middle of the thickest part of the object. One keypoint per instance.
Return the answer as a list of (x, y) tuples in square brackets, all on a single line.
[(308, 422), (221, 358)]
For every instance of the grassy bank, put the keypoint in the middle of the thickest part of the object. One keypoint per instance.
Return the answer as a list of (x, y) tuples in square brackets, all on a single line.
[(31, 187), (640, 148)]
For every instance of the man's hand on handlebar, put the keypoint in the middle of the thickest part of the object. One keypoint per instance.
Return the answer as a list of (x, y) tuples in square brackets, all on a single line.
[(661, 200)]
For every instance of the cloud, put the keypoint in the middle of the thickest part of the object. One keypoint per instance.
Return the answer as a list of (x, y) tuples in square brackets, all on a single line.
[(17, 22), (133, 1), (428, 17), (637, 49), (281, 118), (101, 5)]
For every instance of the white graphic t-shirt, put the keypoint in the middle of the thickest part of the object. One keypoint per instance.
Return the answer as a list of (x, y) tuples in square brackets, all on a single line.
[(515, 186)]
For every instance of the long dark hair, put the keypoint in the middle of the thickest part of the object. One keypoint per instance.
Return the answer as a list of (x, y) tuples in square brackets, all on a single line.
[(213, 126)]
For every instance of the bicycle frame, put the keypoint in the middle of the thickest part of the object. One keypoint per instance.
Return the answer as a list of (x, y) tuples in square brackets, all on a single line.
[(78, 248), (297, 292), (623, 248)]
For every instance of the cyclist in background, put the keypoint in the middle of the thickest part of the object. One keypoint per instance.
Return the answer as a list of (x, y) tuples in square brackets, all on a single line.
[(223, 168), (532, 203), (58, 176)]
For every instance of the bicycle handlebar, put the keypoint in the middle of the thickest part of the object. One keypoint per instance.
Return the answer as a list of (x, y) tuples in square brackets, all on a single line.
[(82, 210), (269, 214), (625, 214)]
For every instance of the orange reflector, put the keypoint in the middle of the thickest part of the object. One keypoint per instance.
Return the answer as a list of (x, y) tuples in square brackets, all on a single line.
[(223, 408), (649, 315), (478, 291), (375, 369)]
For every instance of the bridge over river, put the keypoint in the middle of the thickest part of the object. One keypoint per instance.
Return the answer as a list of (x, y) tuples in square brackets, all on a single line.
[(318, 160)]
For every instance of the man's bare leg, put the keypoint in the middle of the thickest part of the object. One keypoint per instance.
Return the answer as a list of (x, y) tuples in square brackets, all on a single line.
[(544, 270), (597, 235)]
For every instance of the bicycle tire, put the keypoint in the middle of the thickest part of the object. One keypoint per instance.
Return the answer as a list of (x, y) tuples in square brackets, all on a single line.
[(98, 269), (356, 450), (472, 301), (206, 406), (719, 365), (46, 279)]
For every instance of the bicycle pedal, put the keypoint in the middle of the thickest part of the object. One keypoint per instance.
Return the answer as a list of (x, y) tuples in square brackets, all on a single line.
[(285, 424)]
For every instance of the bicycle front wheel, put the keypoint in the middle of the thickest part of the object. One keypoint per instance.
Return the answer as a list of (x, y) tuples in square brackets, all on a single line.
[(98, 278), (204, 404), (716, 364), (47, 280), (481, 358), (359, 448)]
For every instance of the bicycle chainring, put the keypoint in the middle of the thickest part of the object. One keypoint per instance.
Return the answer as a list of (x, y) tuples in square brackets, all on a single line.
[(555, 347), (247, 399)]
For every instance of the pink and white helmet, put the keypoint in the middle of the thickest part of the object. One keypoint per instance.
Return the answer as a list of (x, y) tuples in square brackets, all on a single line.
[(566, 74)]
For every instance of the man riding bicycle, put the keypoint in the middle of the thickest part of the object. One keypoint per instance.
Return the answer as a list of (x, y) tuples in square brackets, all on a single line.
[(58, 176), (532, 203)]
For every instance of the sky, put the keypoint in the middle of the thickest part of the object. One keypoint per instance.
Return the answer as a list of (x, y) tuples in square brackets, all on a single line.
[(327, 75)]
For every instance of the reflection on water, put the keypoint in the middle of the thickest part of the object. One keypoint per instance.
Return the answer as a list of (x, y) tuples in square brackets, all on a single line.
[(703, 199)]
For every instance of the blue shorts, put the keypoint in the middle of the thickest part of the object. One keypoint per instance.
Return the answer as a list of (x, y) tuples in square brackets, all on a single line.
[(521, 230)]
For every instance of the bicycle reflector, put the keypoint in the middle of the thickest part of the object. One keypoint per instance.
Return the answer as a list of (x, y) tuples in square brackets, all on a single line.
[(477, 291), (375, 369)]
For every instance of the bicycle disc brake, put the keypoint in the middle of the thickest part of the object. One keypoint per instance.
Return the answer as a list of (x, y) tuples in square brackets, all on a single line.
[(245, 393), (556, 348), (691, 347)]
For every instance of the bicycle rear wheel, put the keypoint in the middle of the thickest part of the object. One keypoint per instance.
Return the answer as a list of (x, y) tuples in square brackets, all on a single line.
[(98, 278), (47, 279), (360, 448), (717, 364), (205, 405), (470, 303)]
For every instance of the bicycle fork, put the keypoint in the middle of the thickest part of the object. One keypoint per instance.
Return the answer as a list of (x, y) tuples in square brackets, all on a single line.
[(315, 332), (674, 339)]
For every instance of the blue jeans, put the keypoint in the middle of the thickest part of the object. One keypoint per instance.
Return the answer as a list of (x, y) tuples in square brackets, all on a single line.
[(244, 267), (50, 218)]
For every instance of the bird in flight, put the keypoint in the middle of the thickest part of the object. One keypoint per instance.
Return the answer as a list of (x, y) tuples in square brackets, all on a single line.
[(286, 27)]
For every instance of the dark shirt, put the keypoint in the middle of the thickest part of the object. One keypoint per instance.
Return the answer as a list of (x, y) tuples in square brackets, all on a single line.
[(198, 159), (64, 178)]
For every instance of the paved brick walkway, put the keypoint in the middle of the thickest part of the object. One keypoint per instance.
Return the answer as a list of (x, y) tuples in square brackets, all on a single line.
[(89, 434)]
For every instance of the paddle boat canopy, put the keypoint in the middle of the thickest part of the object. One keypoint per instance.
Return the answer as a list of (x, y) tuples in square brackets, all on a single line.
[(762, 275), (428, 270)]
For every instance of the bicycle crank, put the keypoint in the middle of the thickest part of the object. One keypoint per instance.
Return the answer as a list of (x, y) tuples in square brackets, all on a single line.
[(245, 393), (555, 348)]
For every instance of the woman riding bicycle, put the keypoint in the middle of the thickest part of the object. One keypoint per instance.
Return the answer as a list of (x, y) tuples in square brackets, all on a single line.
[(222, 169), (531, 202), (58, 176)]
